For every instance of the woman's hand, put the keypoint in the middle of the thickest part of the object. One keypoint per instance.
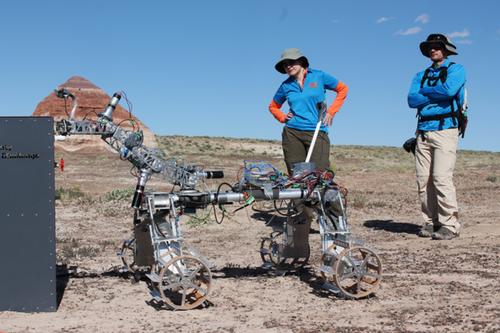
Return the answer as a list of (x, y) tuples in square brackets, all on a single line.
[(327, 121)]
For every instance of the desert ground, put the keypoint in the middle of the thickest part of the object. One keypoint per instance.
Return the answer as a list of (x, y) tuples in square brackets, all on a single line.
[(427, 285)]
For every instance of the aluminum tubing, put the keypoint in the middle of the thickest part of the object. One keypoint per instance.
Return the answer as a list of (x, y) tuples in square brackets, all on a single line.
[(294, 193), (226, 197), (259, 194), (161, 200), (108, 112), (139, 189)]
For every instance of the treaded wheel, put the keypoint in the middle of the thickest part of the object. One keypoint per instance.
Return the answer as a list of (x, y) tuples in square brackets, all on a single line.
[(128, 255), (185, 282), (357, 272), (270, 254), (269, 249)]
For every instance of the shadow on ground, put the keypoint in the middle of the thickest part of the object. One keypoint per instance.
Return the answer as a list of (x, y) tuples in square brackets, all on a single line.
[(306, 274), (65, 272), (391, 226)]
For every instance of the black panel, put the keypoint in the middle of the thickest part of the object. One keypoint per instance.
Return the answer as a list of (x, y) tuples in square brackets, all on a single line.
[(27, 214)]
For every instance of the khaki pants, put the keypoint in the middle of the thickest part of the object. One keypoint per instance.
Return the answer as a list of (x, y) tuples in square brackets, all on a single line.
[(296, 144), (435, 158)]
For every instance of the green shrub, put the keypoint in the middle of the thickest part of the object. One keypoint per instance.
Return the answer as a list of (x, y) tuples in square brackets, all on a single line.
[(378, 204), (87, 251), (69, 249), (492, 179), (67, 194), (199, 219), (119, 195), (357, 200)]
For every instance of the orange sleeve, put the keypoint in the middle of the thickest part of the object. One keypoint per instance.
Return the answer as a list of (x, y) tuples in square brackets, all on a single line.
[(276, 111), (341, 90)]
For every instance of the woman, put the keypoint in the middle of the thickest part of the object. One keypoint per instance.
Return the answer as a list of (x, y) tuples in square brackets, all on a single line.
[(438, 94), (304, 90)]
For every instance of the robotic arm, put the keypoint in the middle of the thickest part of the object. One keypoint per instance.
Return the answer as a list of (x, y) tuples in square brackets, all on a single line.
[(129, 144)]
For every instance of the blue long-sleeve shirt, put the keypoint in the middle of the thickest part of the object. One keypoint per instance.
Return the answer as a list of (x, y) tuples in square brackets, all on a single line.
[(437, 100)]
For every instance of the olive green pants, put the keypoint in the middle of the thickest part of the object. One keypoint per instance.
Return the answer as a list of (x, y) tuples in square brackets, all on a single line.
[(296, 144)]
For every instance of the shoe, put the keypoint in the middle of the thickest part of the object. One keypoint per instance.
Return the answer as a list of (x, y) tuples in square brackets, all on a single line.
[(426, 231), (444, 234)]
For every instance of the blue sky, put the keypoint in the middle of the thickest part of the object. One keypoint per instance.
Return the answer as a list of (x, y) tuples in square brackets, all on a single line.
[(207, 67)]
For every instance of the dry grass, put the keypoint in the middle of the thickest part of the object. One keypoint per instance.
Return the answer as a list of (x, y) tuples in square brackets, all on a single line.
[(343, 158)]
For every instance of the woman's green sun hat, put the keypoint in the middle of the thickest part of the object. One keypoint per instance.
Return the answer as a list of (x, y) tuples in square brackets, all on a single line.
[(439, 39), (290, 54)]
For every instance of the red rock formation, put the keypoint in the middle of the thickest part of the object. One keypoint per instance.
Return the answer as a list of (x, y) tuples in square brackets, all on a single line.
[(92, 100)]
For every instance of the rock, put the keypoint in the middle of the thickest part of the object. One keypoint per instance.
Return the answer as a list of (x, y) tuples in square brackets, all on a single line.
[(92, 100)]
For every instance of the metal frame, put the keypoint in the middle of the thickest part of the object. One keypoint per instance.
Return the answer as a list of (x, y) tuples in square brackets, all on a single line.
[(354, 275)]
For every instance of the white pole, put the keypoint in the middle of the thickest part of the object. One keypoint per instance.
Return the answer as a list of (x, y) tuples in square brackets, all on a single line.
[(322, 111), (313, 142)]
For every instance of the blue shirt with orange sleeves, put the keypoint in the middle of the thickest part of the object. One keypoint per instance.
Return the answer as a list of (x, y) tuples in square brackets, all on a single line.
[(303, 100)]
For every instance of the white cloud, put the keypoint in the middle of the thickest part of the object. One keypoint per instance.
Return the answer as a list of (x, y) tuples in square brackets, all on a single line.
[(409, 31), (459, 34), (424, 18), (384, 19)]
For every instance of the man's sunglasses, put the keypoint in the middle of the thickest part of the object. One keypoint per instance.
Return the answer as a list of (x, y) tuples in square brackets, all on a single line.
[(436, 47)]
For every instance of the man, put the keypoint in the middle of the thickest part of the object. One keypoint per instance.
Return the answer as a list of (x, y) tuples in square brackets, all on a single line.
[(438, 95)]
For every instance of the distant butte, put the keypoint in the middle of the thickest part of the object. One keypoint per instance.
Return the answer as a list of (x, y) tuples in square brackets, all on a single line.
[(79, 82)]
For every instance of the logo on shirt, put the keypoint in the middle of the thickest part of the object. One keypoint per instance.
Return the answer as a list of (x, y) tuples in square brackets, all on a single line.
[(313, 85)]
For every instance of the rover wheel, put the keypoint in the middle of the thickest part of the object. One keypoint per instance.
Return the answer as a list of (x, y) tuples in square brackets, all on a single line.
[(357, 272), (185, 282)]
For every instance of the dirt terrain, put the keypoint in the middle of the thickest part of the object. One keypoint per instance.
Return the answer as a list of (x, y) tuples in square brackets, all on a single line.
[(427, 286)]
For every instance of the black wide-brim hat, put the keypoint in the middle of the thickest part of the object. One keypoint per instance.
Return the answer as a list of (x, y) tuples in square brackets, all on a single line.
[(440, 39), (290, 54)]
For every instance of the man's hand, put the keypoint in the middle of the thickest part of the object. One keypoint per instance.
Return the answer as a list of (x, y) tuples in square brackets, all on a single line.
[(289, 116)]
